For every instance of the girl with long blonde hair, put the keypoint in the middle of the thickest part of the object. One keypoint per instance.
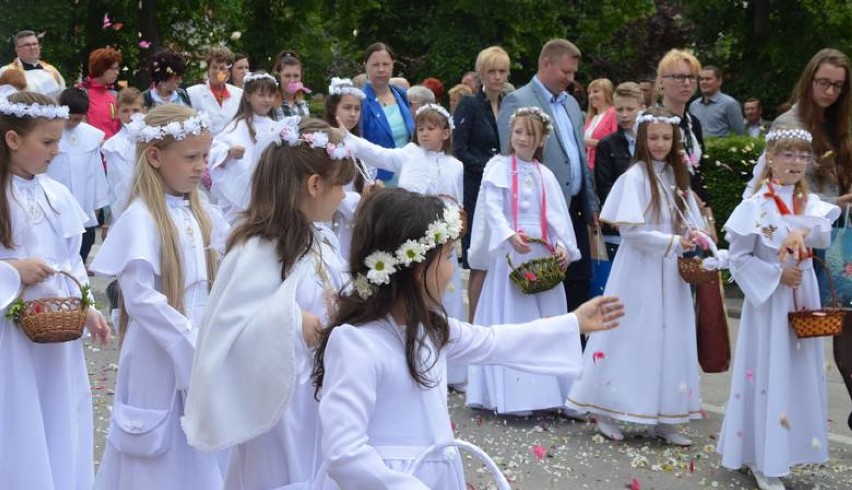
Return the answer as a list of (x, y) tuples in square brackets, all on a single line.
[(164, 251)]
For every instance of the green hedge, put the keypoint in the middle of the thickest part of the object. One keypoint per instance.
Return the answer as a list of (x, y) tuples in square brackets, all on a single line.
[(727, 167)]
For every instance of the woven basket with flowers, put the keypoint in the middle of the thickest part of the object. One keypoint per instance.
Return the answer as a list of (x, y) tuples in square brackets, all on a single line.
[(539, 274), (53, 320)]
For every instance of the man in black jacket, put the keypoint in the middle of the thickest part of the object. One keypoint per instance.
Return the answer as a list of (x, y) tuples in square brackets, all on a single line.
[(615, 152)]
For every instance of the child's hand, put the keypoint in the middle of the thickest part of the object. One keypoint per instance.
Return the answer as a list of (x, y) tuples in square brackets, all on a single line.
[(794, 246), (561, 257), (342, 127), (599, 313), (97, 326), (791, 277), (236, 152), (687, 244), (519, 243), (32, 270), (311, 328)]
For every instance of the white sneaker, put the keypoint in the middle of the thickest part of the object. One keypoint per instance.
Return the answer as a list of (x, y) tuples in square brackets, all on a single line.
[(607, 427), (572, 414), (670, 434), (766, 482)]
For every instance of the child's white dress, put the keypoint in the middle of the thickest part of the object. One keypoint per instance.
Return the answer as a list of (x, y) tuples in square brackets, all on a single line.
[(78, 167), (119, 152), (146, 446), (499, 388), (376, 420), (45, 400), (776, 415), (231, 178), (278, 448), (645, 371)]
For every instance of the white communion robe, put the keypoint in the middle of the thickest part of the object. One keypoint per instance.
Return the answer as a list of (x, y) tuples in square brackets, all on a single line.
[(646, 371), (119, 152), (45, 400), (499, 388), (376, 419), (776, 415), (279, 448), (146, 446), (430, 173), (78, 167), (232, 178)]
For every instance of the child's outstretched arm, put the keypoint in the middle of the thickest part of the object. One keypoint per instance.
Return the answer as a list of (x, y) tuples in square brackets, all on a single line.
[(390, 159)]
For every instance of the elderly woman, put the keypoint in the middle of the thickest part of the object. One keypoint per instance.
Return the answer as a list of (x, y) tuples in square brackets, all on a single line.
[(475, 139), (456, 93), (386, 118), (419, 95), (600, 118), (104, 64)]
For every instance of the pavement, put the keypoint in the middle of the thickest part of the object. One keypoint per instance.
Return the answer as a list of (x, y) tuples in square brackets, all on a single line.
[(549, 451)]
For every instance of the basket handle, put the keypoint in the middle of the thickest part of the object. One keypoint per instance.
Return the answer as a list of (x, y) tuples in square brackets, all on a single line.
[(550, 248), (499, 478), (830, 283)]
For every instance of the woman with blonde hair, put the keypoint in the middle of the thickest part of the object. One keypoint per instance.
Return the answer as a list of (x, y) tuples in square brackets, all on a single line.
[(600, 118), (164, 249)]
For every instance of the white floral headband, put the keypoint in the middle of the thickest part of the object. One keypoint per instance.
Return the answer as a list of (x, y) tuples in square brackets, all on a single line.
[(650, 118), (34, 110), (252, 76), (782, 134), (381, 265), (440, 110), (287, 130), (537, 112), (143, 133), (344, 86)]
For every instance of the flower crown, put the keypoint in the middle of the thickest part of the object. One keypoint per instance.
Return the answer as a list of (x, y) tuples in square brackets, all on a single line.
[(33, 110), (253, 75), (650, 118), (381, 265), (287, 130), (537, 112), (143, 133), (440, 110), (341, 86), (782, 134)]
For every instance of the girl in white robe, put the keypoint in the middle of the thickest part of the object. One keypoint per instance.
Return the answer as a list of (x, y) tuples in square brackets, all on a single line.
[(233, 157), (251, 386), (519, 198), (381, 368), (776, 414), (164, 250), (427, 165), (45, 399), (647, 371)]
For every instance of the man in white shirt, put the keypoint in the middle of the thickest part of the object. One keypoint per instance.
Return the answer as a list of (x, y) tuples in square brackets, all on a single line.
[(42, 77)]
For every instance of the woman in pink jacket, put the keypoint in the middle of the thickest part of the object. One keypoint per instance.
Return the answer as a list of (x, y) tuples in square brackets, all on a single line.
[(600, 118), (104, 64)]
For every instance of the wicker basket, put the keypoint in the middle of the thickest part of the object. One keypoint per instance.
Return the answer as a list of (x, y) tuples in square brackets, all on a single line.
[(824, 322), (54, 320), (692, 271), (536, 275)]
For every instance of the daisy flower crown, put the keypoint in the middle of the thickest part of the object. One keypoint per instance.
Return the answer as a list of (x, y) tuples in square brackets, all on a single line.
[(650, 118), (252, 76), (344, 86), (34, 110), (536, 112), (287, 131), (440, 110), (381, 264), (144, 133), (783, 134)]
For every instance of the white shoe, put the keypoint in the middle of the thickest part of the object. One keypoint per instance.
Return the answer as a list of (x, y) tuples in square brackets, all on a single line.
[(572, 414), (766, 482), (607, 427), (670, 434)]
